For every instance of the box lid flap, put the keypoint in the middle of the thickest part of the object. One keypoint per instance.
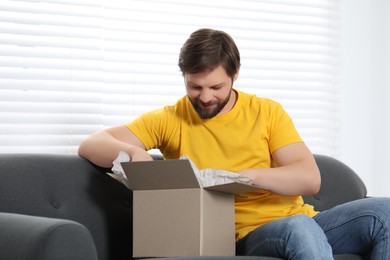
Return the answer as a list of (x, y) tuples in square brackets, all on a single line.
[(234, 188), (160, 174)]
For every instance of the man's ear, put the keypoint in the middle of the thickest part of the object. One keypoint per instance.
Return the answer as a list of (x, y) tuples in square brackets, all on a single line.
[(236, 75)]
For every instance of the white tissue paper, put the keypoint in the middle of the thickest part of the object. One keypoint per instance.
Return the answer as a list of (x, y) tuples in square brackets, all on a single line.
[(118, 172), (211, 177)]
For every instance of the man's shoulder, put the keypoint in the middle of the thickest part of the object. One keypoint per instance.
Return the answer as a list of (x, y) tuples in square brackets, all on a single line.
[(180, 104), (258, 100), (168, 112)]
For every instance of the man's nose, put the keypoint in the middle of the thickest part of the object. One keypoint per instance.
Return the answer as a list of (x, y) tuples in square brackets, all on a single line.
[(205, 96)]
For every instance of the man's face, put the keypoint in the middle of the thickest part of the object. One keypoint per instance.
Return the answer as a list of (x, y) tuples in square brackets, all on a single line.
[(210, 92)]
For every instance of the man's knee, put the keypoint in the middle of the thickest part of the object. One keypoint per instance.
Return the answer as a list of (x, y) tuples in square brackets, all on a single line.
[(302, 227), (313, 243)]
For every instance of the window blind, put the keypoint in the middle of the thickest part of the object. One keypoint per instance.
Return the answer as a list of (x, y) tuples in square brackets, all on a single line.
[(69, 68)]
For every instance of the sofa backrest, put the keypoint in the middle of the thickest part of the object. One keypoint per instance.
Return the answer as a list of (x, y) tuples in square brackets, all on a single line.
[(339, 184)]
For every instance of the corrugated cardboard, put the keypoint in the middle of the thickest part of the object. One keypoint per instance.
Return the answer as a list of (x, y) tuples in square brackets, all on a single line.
[(174, 216)]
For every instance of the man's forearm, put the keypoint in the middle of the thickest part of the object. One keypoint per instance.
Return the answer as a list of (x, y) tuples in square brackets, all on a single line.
[(299, 178), (102, 149)]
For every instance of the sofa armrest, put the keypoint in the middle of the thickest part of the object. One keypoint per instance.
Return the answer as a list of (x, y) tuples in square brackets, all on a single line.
[(30, 237)]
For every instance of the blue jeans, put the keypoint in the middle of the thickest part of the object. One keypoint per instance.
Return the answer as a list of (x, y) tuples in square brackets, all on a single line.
[(357, 227)]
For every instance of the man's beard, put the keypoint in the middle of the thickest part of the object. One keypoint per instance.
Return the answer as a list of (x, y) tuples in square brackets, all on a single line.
[(206, 113)]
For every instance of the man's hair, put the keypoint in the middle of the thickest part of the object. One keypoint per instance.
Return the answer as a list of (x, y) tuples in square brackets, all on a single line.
[(206, 49)]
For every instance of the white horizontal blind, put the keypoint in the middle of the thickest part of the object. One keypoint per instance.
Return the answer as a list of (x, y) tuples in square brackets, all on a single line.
[(71, 67)]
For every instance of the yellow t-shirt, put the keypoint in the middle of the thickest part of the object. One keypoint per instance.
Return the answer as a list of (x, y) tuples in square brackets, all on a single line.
[(243, 138)]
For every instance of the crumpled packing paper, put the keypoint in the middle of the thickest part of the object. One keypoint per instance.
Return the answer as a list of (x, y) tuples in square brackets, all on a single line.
[(206, 177), (211, 177)]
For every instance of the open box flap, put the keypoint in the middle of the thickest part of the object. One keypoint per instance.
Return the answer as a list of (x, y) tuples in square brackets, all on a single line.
[(234, 188), (160, 174)]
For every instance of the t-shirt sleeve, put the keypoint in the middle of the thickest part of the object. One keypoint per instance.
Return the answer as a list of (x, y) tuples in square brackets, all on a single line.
[(150, 128), (281, 128)]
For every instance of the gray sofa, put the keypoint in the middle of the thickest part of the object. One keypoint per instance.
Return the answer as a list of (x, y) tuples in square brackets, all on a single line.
[(63, 207)]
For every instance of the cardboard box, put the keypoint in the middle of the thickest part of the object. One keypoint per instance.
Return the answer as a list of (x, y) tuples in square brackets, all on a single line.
[(174, 216)]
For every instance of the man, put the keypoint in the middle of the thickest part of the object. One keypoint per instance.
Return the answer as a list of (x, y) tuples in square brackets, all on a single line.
[(220, 127)]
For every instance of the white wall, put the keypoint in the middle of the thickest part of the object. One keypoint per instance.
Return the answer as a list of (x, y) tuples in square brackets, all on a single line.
[(365, 118)]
